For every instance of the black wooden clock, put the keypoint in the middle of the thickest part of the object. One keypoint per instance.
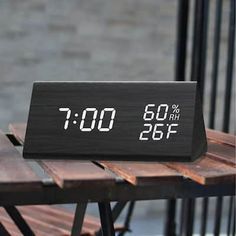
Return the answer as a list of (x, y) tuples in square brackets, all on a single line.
[(144, 121)]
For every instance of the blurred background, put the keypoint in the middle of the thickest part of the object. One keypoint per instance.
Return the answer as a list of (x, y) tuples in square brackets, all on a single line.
[(105, 40)]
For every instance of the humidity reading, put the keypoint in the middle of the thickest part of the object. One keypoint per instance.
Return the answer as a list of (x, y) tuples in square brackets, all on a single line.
[(159, 122), (136, 121)]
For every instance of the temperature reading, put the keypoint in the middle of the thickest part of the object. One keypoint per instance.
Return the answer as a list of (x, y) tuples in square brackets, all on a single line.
[(135, 121), (160, 121)]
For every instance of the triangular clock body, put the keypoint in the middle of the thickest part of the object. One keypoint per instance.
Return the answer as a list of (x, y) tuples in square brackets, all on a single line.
[(135, 121)]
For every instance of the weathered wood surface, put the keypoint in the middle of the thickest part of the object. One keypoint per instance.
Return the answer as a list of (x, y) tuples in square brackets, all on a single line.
[(221, 153), (139, 173), (3, 230), (69, 173), (59, 217), (14, 170), (77, 173), (8, 224), (18, 130), (217, 166), (50, 220), (221, 137), (205, 171), (215, 170)]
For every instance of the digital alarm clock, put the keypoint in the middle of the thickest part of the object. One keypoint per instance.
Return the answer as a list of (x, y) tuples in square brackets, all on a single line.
[(140, 121)]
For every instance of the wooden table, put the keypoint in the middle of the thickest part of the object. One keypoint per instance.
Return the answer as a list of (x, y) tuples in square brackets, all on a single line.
[(105, 181)]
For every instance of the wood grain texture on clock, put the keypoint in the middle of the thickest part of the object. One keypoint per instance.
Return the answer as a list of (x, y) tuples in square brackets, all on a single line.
[(148, 121)]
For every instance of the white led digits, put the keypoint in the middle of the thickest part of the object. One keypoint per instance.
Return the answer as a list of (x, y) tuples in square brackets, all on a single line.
[(101, 127), (158, 131)]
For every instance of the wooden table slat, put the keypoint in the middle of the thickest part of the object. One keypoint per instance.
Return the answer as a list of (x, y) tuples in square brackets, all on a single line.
[(205, 171), (8, 223), (62, 218), (18, 130), (72, 173), (222, 153), (216, 167), (221, 137), (39, 225), (69, 173), (139, 173), (14, 170), (56, 220)]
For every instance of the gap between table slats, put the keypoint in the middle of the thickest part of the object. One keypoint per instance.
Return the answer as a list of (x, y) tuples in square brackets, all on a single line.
[(216, 167), (14, 170), (140, 173), (205, 171), (69, 173)]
